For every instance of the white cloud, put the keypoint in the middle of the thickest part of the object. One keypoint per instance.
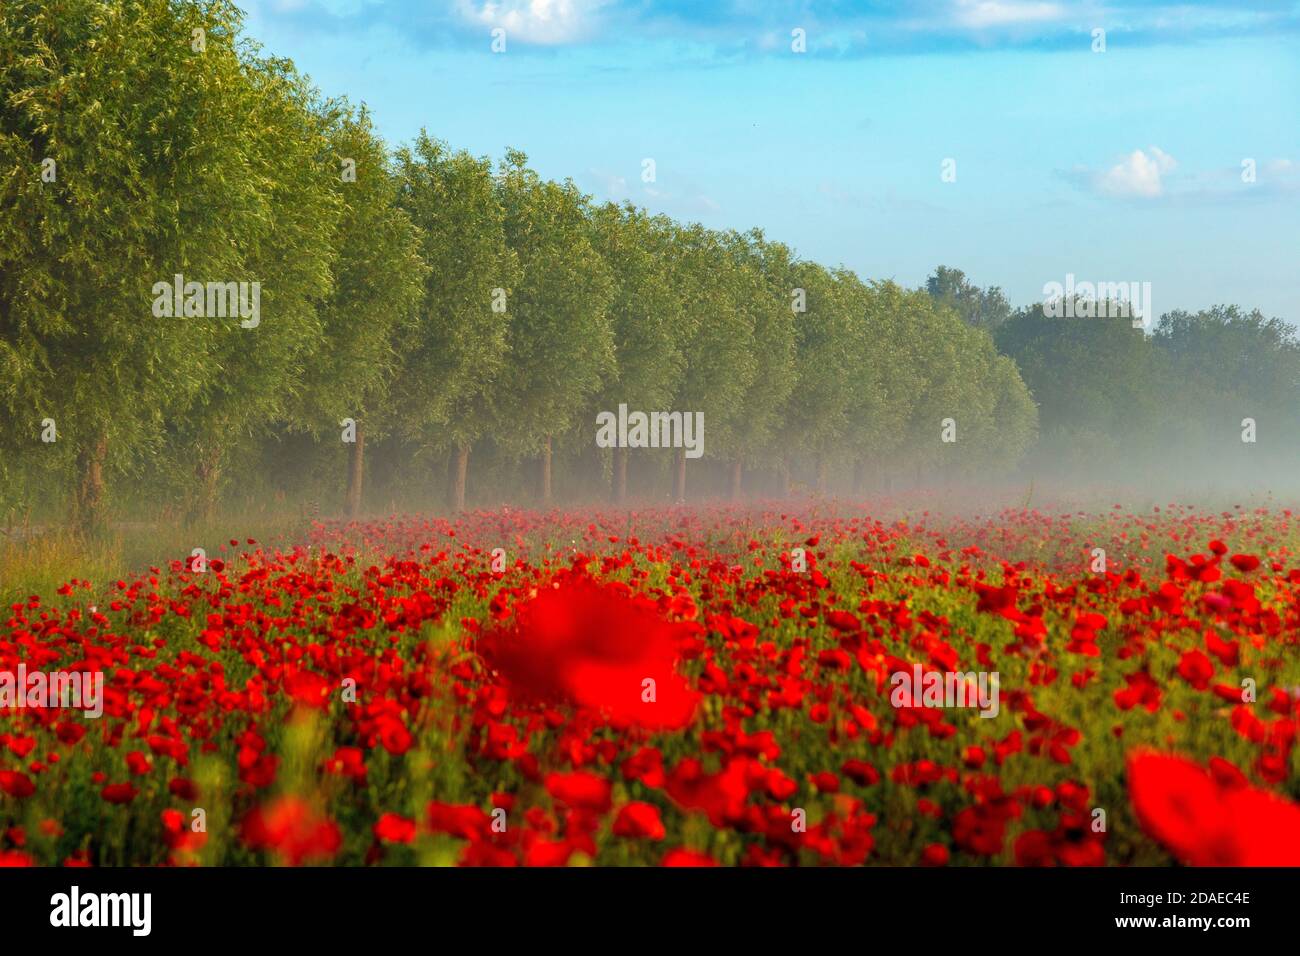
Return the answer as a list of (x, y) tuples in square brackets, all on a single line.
[(611, 185), (1139, 174), (544, 22), (977, 14)]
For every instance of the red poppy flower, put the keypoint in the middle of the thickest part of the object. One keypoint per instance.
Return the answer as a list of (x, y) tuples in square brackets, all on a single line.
[(580, 790), (183, 787), (934, 854), (681, 857), (119, 793), (291, 829), (842, 621), (394, 736), (1205, 822), (721, 795), (138, 763), (308, 688), (16, 783), (177, 835), (394, 828), (597, 646), (860, 772), (464, 821), (639, 820), (548, 853), (1196, 668)]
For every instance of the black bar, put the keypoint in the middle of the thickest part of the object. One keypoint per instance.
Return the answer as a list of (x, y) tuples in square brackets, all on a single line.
[(334, 906)]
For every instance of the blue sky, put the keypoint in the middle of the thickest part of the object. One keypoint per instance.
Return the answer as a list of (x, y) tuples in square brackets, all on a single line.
[(1123, 165)]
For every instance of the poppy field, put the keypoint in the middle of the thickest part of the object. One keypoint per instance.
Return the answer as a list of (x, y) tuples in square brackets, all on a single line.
[(675, 687)]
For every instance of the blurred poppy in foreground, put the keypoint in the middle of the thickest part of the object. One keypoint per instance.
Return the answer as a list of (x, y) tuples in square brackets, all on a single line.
[(295, 832), (597, 646), (1212, 819)]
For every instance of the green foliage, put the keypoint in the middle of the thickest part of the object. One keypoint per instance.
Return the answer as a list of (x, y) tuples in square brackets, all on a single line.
[(648, 318), (379, 278), (150, 179), (455, 348), (982, 308), (720, 347), (560, 342), (767, 280), (1111, 397), (816, 417), (1233, 363), (1095, 382)]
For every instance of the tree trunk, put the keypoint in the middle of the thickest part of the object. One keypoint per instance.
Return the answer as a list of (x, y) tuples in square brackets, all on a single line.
[(737, 472), (679, 475), (783, 478), (544, 489), (620, 475), (88, 506), (457, 473), (208, 475), (356, 469), (859, 475), (821, 474)]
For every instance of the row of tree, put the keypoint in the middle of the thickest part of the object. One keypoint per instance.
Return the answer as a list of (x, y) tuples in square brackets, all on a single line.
[(420, 297)]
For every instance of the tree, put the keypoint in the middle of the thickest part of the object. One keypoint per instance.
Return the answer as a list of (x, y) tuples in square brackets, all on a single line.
[(455, 349), (378, 280), (943, 405), (127, 156), (816, 414), (1228, 350), (1223, 365), (719, 351), (647, 318), (982, 308), (559, 337), (1015, 416), (885, 374), (768, 288), (1095, 381), (253, 371)]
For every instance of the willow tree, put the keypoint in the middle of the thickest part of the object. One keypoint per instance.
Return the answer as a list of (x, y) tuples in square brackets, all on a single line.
[(454, 350), (879, 382), (560, 340), (378, 280), (720, 349), (137, 145), (648, 321), (255, 367), (816, 414), (768, 289)]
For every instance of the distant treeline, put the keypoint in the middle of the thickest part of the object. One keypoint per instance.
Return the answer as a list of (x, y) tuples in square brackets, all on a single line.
[(215, 283), (1214, 393)]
